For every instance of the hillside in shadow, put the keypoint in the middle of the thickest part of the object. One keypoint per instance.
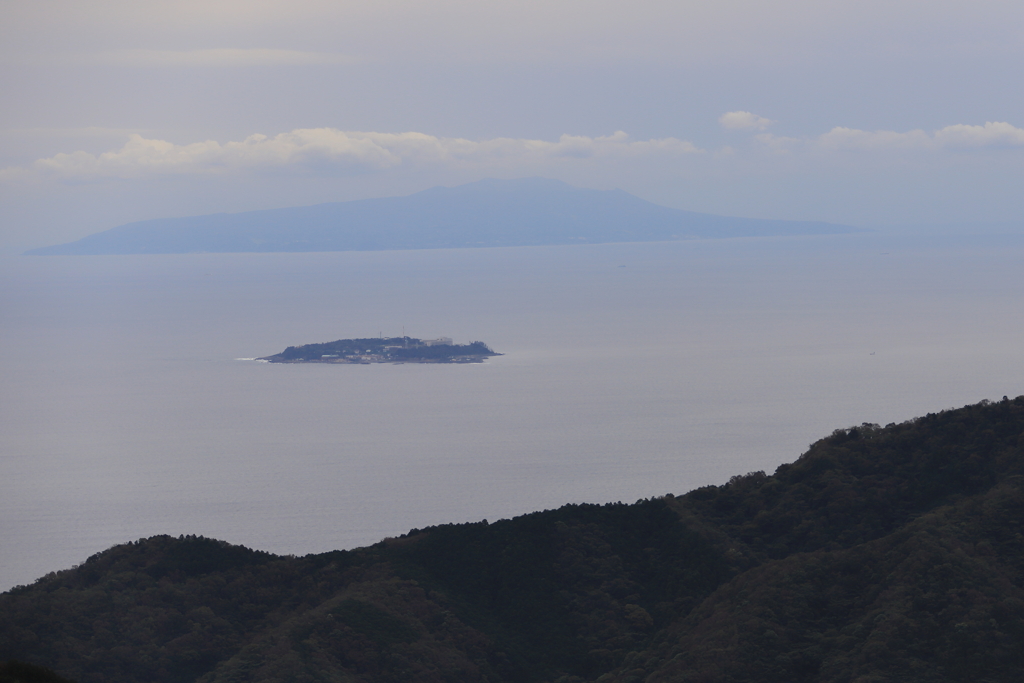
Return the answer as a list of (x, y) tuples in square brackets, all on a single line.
[(882, 554)]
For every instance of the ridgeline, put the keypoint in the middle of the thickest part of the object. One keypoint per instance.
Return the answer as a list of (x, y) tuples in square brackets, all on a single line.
[(486, 213), (881, 554)]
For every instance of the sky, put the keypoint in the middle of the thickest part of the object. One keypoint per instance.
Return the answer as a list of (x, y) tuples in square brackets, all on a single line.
[(872, 113)]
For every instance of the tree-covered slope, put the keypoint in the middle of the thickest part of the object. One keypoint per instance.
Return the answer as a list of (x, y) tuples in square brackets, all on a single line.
[(882, 554), (382, 350)]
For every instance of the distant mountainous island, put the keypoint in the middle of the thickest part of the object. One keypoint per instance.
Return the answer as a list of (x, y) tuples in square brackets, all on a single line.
[(385, 350), (882, 554), (487, 213)]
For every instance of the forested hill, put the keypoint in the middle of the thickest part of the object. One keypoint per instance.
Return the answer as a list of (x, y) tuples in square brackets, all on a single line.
[(881, 554), (385, 350)]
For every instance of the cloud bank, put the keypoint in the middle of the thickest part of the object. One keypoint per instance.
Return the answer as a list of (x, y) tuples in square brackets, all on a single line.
[(332, 151), (993, 134)]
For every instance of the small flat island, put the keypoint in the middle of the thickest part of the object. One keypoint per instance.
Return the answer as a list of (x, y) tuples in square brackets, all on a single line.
[(385, 350)]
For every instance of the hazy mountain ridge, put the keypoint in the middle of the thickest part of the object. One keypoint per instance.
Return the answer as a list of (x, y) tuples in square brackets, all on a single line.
[(487, 213), (889, 553)]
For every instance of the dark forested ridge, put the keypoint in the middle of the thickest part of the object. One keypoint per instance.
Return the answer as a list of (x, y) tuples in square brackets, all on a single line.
[(881, 554), (14, 671), (385, 350)]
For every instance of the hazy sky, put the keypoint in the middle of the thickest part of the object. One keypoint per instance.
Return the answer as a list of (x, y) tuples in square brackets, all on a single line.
[(871, 112)]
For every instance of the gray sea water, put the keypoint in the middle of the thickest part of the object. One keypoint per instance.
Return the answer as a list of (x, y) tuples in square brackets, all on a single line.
[(629, 371)]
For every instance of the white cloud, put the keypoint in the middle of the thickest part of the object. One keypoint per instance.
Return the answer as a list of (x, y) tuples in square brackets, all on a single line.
[(852, 138), (332, 151), (992, 134), (960, 136), (743, 120)]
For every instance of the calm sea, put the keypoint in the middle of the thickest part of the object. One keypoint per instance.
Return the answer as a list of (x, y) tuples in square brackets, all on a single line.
[(629, 371)]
